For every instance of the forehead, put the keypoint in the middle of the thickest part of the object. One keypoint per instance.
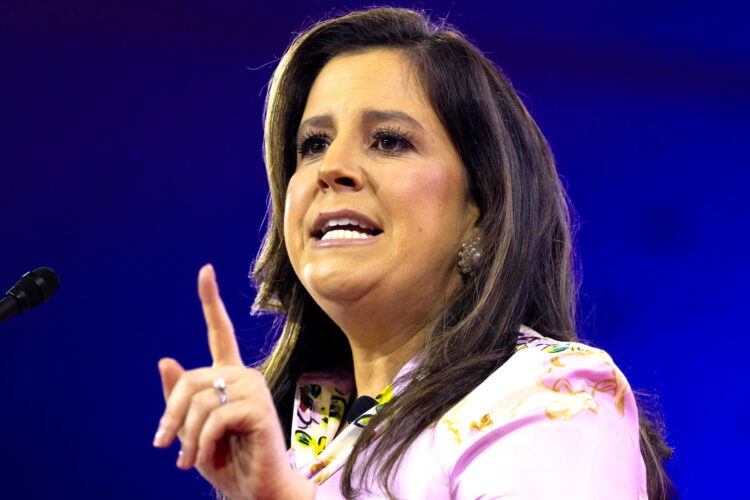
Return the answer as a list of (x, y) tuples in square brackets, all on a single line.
[(377, 77)]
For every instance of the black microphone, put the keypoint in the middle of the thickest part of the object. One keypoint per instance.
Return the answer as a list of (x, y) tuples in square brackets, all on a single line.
[(359, 406), (33, 289)]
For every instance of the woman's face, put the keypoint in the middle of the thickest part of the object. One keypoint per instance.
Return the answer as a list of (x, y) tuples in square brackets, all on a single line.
[(378, 206)]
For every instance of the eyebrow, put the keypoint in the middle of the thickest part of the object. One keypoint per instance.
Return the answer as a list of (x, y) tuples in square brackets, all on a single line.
[(368, 116)]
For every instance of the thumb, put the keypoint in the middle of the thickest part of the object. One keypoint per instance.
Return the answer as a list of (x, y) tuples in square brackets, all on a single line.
[(170, 371)]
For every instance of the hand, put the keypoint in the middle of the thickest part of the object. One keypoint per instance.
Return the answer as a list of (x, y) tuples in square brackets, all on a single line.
[(237, 446)]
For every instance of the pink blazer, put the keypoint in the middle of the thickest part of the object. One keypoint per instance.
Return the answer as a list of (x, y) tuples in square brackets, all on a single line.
[(557, 421)]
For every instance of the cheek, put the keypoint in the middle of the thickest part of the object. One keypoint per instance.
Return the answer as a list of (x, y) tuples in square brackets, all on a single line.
[(294, 212), (433, 199)]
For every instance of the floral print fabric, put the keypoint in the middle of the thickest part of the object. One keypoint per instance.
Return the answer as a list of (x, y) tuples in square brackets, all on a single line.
[(557, 420), (319, 408)]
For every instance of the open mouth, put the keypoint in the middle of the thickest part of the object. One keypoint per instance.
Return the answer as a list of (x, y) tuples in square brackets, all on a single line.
[(337, 227)]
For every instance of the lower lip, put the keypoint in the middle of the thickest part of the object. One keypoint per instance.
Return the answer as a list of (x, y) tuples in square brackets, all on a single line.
[(345, 242)]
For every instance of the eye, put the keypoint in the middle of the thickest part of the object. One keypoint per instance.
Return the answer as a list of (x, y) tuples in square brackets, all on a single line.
[(386, 140), (312, 144), (391, 141)]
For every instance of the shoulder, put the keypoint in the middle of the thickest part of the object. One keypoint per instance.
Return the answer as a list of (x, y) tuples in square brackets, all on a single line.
[(545, 377), (567, 368), (560, 379), (560, 409), (566, 378)]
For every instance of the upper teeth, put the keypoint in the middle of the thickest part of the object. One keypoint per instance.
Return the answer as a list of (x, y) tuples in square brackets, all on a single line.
[(343, 222), (339, 234)]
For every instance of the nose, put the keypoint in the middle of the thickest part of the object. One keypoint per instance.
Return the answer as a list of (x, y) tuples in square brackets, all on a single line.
[(338, 170)]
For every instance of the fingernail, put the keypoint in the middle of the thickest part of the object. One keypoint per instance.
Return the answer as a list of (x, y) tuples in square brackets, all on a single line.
[(180, 459), (159, 437)]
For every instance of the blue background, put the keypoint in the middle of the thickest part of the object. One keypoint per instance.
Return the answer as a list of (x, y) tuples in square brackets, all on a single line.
[(130, 154)]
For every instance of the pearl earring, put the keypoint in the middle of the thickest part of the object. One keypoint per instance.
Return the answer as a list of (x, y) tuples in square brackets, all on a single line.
[(469, 255)]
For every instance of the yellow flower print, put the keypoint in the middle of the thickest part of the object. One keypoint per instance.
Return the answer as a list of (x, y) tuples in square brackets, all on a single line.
[(451, 426), (451, 423), (385, 395), (575, 399), (570, 405), (319, 465), (484, 422)]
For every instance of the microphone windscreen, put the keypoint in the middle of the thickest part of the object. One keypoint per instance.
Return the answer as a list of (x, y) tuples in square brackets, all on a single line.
[(34, 288), (46, 279)]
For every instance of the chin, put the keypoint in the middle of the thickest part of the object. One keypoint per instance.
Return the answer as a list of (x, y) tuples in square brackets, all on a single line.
[(328, 284)]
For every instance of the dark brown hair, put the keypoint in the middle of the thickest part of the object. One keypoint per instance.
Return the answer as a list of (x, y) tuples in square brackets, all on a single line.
[(527, 276)]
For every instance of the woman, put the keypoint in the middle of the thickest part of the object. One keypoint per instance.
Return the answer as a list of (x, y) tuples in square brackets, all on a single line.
[(419, 252)]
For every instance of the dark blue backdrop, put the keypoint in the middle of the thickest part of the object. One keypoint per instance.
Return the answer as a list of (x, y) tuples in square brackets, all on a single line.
[(131, 155)]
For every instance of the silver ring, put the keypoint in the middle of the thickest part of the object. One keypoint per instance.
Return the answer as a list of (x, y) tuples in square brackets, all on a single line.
[(221, 387)]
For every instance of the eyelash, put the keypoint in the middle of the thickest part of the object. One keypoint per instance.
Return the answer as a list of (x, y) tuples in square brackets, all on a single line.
[(402, 137)]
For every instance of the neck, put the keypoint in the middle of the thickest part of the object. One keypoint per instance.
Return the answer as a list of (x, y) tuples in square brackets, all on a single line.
[(384, 331), (375, 368), (382, 344)]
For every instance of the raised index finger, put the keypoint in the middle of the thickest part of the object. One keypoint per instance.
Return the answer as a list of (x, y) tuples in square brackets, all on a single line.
[(221, 339)]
